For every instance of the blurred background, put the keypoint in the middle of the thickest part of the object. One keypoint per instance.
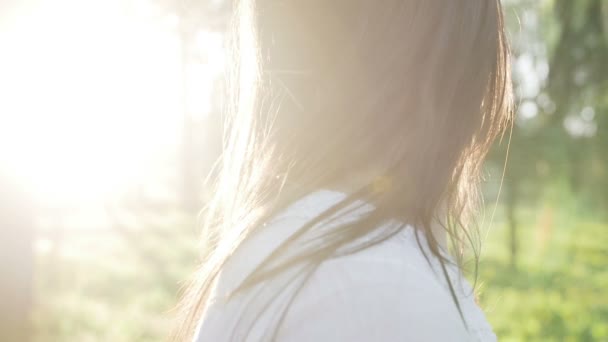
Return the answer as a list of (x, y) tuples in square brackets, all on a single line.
[(110, 121)]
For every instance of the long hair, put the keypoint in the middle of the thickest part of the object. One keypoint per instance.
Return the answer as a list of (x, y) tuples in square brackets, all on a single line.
[(403, 96)]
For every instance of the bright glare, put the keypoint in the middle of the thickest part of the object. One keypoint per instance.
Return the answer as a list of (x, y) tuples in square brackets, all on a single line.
[(92, 95)]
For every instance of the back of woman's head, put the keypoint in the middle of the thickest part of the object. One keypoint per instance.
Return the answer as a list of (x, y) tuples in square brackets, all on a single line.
[(411, 92), (402, 98)]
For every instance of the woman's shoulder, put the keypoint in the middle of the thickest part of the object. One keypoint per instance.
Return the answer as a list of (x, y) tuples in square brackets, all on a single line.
[(393, 290), (399, 261), (387, 292)]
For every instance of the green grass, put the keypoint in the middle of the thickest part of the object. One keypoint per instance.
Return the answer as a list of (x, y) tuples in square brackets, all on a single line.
[(559, 290), (98, 287)]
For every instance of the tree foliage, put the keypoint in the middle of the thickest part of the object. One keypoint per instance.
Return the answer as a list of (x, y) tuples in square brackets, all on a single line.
[(561, 127)]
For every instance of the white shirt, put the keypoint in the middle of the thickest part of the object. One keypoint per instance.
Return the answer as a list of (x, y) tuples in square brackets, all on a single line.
[(387, 292)]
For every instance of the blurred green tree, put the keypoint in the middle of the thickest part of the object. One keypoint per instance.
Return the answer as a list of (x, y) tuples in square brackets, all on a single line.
[(560, 136)]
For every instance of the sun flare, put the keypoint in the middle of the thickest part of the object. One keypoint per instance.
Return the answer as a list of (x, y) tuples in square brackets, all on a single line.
[(92, 95)]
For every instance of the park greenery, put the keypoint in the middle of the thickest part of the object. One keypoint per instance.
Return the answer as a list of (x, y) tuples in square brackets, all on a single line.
[(543, 271)]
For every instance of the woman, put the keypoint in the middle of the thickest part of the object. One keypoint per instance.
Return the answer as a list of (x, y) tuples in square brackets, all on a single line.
[(349, 172)]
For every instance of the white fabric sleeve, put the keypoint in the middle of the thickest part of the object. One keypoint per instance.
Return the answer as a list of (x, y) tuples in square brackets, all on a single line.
[(341, 304)]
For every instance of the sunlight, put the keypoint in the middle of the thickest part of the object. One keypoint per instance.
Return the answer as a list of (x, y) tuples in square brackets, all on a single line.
[(92, 96)]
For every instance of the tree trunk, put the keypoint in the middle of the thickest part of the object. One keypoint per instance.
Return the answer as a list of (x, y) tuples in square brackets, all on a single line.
[(189, 188), (16, 262), (512, 198)]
